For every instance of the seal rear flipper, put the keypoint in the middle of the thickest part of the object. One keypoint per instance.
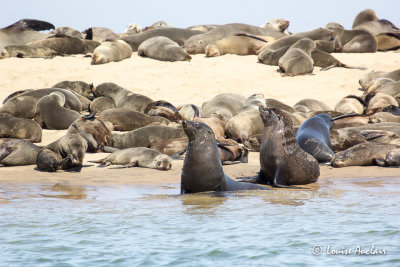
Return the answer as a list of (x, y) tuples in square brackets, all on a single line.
[(319, 150), (178, 154), (232, 185), (90, 116), (281, 184), (381, 162)]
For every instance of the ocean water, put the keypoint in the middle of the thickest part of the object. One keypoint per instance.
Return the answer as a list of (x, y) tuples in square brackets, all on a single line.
[(67, 225)]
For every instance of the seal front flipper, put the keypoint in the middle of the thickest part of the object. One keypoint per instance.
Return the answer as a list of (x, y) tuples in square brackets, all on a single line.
[(131, 164), (277, 181), (248, 179), (232, 185)]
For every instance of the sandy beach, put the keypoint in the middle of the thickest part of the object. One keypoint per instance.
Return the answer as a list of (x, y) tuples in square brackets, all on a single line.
[(180, 83)]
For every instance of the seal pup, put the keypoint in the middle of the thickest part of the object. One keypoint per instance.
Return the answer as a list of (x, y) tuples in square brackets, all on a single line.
[(111, 51), (23, 105), (13, 127), (202, 169), (24, 31), (50, 161), (283, 162), (124, 119), (163, 48), (326, 61), (138, 157), (364, 154), (51, 114), (297, 59), (271, 57), (313, 136), (18, 152)]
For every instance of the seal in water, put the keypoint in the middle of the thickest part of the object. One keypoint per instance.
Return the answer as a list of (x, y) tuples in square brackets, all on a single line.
[(283, 162), (202, 169), (313, 136)]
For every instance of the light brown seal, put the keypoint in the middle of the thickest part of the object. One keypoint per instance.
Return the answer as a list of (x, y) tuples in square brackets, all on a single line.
[(138, 157), (244, 124), (101, 103), (297, 59), (25, 51), (163, 48), (225, 104), (350, 104), (111, 51), (326, 61)]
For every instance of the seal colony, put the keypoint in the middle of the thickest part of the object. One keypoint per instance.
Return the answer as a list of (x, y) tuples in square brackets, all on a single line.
[(138, 128)]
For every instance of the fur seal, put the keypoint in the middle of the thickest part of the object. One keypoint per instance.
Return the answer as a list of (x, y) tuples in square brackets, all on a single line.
[(124, 119), (189, 111), (123, 98), (388, 86), (313, 136), (368, 21), (132, 29), (326, 61), (163, 109), (101, 103), (25, 51), (138, 156), (23, 105), (283, 165), (64, 30), (51, 114), (271, 57), (24, 31), (309, 105), (364, 154), (392, 159), (342, 139), (364, 16), (240, 44), (197, 44), (366, 80), (244, 124), (50, 161), (175, 34), (202, 169), (17, 152), (66, 45), (277, 24), (297, 59), (388, 41), (353, 41), (163, 48), (350, 104), (158, 25), (144, 136), (253, 102), (203, 27), (21, 128), (82, 90), (111, 51), (99, 34), (375, 100), (225, 104)]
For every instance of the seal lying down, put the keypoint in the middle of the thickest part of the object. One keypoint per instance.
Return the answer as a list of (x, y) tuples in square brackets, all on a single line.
[(202, 169)]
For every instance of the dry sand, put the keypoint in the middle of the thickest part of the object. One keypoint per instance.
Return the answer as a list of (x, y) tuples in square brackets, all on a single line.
[(181, 83)]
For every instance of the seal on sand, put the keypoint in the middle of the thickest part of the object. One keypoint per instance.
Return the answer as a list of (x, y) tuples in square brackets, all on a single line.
[(50, 112), (283, 162), (66, 44), (24, 51), (297, 59), (17, 152), (163, 48), (202, 169), (313, 136), (138, 156), (111, 51), (20, 128)]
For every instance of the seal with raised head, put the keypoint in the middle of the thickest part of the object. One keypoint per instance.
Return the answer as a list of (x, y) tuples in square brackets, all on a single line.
[(138, 156), (313, 136), (163, 48), (111, 51), (283, 162), (202, 169), (297, 59)]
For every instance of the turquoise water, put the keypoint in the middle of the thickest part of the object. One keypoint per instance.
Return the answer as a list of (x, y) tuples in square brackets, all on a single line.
[(44, 225)]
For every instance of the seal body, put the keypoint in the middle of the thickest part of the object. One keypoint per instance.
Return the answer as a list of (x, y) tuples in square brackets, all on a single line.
[(297, 59), (202, 169), (138, 156), (20, 128), (283, 162), (313, 136), (111, 51), (17, 152), (226, 105), (163, 48)]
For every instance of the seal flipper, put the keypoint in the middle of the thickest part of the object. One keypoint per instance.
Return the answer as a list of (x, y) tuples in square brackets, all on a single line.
[(279, 184), (232, 185), (319, 150), (31, 24), (92, 144), (131, 164)]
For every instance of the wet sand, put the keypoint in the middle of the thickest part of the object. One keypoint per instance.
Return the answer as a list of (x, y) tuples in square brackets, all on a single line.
[(186, 82)]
